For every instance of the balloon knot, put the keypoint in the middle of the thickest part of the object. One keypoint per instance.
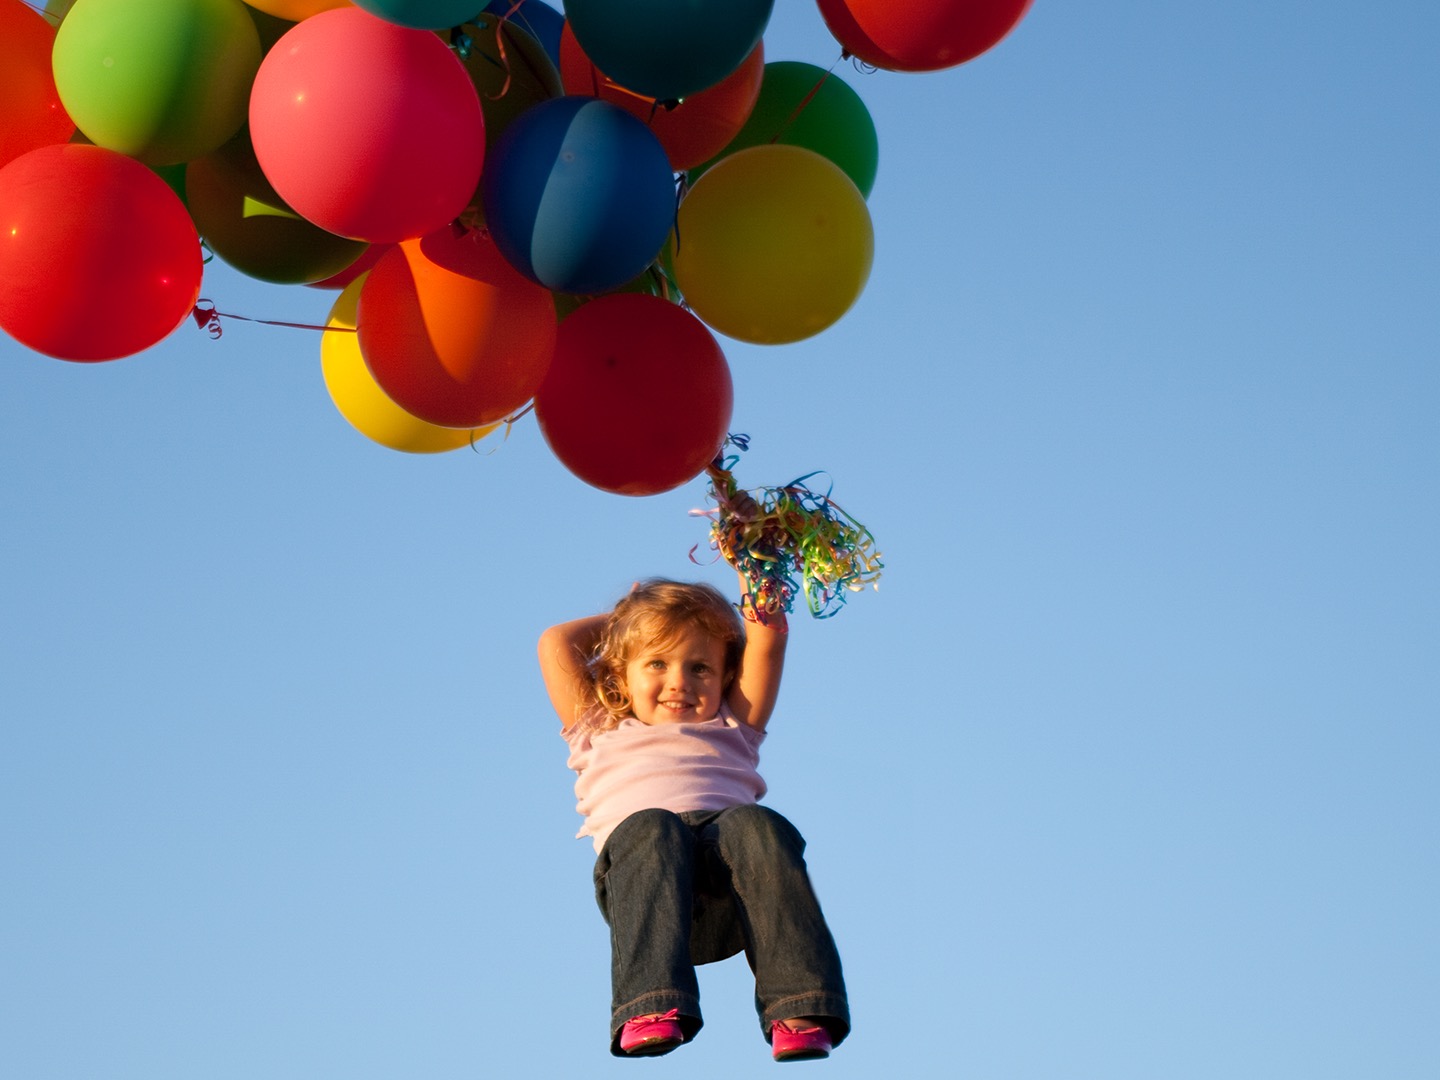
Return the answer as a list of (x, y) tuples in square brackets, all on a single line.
[(206, 318)]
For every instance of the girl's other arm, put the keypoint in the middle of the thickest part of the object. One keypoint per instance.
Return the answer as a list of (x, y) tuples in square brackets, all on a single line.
[(756, 686), (563, 649)]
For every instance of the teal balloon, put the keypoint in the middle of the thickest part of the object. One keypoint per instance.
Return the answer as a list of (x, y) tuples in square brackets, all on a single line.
[(803, 105), (422, 14), (666, 49)]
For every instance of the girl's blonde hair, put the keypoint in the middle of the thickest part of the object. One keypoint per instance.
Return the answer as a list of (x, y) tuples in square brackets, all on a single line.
[(653, 615)]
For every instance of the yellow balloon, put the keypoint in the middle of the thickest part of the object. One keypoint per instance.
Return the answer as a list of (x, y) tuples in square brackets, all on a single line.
[(295, 10), (773, 244), (361, 401)]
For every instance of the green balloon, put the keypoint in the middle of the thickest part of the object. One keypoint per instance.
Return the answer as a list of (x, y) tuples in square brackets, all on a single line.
[(803, 105), (164, 81), (248, 225), (174, 176)]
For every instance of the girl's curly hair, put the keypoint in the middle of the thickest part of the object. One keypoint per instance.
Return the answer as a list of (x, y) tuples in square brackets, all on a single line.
[(653, 614)]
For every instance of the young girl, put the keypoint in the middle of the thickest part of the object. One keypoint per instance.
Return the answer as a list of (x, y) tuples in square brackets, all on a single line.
[(664, 703)]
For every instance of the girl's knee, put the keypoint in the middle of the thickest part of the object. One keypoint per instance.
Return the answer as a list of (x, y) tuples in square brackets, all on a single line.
[(756, 827), (647, 843)]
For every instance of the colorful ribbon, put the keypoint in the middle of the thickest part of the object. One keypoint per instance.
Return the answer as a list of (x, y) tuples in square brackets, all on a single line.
[(787, 540)]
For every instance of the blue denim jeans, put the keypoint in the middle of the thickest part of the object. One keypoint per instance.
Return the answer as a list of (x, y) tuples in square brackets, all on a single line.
[(684, 889)]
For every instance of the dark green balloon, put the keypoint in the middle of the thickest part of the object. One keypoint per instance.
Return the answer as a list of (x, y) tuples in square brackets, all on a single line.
[(803, 105)]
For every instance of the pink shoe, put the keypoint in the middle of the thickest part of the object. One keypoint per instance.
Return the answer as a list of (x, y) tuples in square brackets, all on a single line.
[(653, 1034), (799, 1044)]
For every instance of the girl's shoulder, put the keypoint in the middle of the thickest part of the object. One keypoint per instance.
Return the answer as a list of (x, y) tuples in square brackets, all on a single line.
[(593, 721)]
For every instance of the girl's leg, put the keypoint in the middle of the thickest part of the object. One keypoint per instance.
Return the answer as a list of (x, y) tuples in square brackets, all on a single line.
[(797, 968), (644, 881)]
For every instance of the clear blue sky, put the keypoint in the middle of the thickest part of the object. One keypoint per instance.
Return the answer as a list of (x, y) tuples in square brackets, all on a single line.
[(1127, 772)]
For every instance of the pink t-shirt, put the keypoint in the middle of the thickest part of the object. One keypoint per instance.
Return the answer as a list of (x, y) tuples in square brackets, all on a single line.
[(711, 765)]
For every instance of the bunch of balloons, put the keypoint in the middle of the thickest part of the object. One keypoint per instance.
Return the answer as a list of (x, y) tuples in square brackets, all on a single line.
[(519, 205)]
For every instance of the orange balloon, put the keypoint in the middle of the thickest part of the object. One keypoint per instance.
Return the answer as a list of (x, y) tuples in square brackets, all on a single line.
[(452, 333), (295, 10), (31, 115), (361, 401), (693, 131)]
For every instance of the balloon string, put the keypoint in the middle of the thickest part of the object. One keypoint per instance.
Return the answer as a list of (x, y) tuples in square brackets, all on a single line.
[(464, 45), (599, 80), (805, 101), (208, 319), (682, 188), (45, 13), (504, 56), (461, 41)]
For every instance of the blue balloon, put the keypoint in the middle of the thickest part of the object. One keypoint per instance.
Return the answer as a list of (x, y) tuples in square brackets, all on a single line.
[(664, 49), (421, 14), (578, 195), (539, 20)]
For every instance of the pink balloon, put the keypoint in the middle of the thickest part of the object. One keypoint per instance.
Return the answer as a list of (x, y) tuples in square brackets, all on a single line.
[(368, 129)]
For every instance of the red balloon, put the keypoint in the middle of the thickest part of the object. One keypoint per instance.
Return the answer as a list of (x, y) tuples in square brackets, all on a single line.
[(691, 132), (31, 115), (920, 35), (368, 129), (639, 396), (452, 332), (98, 257)]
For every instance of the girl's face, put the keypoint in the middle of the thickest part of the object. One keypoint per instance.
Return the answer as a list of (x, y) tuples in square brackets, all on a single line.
[(681, 682)]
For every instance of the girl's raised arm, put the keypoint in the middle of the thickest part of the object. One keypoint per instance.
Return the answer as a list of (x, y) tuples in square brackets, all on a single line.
[(563, 649), (756, 685)]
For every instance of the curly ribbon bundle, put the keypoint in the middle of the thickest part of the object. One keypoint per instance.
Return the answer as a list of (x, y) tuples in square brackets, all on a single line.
[(785, 540)]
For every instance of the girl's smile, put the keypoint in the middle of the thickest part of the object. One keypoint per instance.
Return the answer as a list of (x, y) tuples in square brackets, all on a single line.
[(681, 682)]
